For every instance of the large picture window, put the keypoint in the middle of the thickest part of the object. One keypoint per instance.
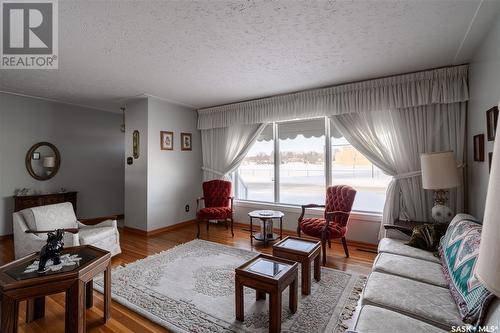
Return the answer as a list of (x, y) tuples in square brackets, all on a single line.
[(302, 161), (254, 179), (350, 167), (307, 162)]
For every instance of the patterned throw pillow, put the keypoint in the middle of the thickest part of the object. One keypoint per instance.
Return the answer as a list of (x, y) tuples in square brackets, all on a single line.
[(459, 250)]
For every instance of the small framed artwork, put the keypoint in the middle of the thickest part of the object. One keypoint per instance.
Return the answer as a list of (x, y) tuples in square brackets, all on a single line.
[(35, 156), (166, 140), (479, 147), (186, 141), (490, 159), (491, 122)]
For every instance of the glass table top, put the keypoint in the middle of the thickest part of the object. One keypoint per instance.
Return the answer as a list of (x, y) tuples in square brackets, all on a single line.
[(267, 267), (17, 272), (298, 245)]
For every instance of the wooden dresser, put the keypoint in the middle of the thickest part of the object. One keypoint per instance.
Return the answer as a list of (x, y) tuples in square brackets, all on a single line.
[(28, 201)]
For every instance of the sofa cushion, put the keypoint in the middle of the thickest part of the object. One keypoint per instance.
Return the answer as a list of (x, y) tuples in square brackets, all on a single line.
[(215, 213), (459, 252), (398, 246), (50, 217), (412, 268), (373, 319), (419, 300)]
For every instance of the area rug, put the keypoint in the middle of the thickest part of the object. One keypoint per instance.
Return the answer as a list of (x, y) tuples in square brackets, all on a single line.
[(190, 288)]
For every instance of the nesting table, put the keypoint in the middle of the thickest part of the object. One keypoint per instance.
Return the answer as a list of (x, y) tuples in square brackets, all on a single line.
[(267, 275), (305, 251), (76, 281)]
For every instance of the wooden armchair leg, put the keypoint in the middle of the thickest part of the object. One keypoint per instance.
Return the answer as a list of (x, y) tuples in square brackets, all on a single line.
[(329, 244), (346, 250), (298, 230), (232, 232), (208, 224), (198, 226), (323, 247)]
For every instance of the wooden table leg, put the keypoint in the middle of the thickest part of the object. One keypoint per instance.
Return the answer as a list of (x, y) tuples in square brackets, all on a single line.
[(89, 294), (251, 230), (317, 268), (293, 291), (75, 308), (35, 309), (281, 227), (259, 294), (9, 312), (239, 305), (107, 293), (306, 277), (275, 312)]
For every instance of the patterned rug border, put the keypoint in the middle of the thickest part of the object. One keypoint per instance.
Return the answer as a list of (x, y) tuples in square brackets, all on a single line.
[(333, 326)]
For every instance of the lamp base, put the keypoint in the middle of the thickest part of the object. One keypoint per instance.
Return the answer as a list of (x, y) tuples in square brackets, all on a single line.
[(442, 214)]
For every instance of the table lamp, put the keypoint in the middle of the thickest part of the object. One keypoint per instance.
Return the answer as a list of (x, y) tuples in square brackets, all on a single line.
[(488, 264), (439, 173)]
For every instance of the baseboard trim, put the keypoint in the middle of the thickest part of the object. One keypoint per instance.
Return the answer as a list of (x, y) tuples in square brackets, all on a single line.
[(159, 230), (5, 237), (287, 232)]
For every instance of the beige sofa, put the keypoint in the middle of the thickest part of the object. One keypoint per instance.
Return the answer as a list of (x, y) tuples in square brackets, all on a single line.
[(103, 234), (407, 292)]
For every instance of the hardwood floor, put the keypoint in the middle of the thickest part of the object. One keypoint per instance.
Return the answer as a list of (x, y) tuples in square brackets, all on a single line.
[(136, 246)]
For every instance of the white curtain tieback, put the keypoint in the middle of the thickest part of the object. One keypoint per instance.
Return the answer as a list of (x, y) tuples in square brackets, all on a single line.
[(412, 174), (212, 171)]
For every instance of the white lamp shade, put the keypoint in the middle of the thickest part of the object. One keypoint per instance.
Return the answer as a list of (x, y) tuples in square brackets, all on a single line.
[(49, 162), (488, 265), (439, 170)]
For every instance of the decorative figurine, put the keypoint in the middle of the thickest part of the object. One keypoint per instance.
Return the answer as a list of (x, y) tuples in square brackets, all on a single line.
[(51, 250)]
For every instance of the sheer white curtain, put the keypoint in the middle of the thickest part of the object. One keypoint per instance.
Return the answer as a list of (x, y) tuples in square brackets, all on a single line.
[(223, 149), (394, 140)]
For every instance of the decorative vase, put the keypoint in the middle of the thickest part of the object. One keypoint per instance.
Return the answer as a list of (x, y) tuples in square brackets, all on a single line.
[(442, 214)]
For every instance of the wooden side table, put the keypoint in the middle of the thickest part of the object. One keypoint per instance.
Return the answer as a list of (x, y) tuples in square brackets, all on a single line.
[(271, 275), (304, 251), (76, 281)]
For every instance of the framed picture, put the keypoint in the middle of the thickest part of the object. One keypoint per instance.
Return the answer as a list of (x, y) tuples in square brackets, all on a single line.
[(166, 140), (186, 141), (479, 147), (35, 156), (491, 122), (490, 158)]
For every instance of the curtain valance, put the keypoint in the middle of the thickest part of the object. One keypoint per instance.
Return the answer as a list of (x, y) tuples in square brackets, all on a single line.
[(438, 86)]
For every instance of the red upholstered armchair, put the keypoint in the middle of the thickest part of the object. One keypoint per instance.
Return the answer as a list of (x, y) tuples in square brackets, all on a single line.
[(218, 204), (339, 200)]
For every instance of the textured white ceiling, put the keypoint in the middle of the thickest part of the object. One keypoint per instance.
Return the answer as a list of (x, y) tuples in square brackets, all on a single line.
[(204, 53)]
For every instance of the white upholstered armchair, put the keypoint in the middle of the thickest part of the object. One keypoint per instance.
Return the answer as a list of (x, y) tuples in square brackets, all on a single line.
[(32, 224)]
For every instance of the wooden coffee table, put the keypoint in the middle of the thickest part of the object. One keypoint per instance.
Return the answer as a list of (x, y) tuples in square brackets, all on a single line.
[(304, 251), (271, 275), (76, 281)]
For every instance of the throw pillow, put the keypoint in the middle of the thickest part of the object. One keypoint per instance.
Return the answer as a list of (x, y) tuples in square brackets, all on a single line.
[(459, 250), (427, 236)]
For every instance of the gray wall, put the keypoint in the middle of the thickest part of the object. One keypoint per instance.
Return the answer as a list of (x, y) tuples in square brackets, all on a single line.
[(91, 147), (174, 177), (136, 115), (160, 183), (484, 80)]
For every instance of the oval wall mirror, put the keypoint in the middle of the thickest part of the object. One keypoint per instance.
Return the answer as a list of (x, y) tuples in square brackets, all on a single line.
[(43, 161)]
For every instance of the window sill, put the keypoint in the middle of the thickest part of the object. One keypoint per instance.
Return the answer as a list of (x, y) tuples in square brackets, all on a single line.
[(365, 216)]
